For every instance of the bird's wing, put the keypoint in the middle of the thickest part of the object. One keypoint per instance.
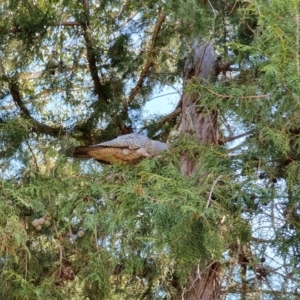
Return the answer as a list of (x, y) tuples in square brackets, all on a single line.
[(131, 141), (109, 155), (82, 152)]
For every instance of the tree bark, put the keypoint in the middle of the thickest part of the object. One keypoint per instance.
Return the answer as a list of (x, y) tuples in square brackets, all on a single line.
[(199, 123)]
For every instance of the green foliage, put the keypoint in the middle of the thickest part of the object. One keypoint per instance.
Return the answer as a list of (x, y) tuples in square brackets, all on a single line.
[(12, 135), (31, 19), (72, 74), (135, 223)]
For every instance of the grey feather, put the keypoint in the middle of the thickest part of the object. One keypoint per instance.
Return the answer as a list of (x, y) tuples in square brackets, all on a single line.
[(131, 141), (146, 146)]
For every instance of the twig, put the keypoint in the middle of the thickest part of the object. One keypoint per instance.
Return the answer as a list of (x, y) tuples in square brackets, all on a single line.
[(232, 138), (233, 7), (171, 116), (96, 238), (211, 191), (212, 123), (163, 95), (34, 157), (91, 56)]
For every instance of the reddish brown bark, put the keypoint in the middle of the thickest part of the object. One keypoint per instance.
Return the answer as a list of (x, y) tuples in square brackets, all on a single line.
[(203, 284), (200, 124)]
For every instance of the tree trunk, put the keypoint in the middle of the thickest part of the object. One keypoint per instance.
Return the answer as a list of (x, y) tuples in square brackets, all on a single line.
[(199, 123)]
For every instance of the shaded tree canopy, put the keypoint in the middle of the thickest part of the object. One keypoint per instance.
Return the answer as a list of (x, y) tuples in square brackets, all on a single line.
[(225, 198)]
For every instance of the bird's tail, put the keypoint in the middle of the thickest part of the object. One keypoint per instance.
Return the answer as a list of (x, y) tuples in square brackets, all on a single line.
[(81, 152)]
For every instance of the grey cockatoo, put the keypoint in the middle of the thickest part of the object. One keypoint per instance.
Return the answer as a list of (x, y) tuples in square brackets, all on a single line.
[(127, 149)]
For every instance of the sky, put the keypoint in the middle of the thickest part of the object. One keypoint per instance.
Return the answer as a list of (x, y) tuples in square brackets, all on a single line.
[(163, 102)]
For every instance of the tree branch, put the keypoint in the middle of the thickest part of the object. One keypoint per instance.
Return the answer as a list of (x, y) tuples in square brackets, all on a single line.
[(149, 60), (171, 116), (222, 141), (66, 23), (34, 157), (98, 87), (37, 126), (91, 57)]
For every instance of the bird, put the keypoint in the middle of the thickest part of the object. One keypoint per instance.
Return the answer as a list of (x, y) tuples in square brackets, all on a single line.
[(125, 149)]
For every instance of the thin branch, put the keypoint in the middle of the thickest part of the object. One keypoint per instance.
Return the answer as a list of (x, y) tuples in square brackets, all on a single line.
[(260, 240), (91, 57), (212, 190), (34, 157), (227, 125), (222, 141), (103, 99), (66, 23), (149, 60), (144, 74), (96, 238), (167, 94), (171, 116), (37, 126), (233, 7)]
